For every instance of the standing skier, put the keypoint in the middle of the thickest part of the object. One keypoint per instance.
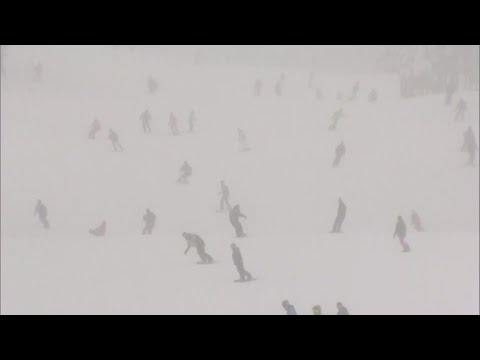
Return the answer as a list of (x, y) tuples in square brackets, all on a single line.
[(416, 221), (401, 232), (94, 128), (146, 117), (339, 153), (185, 173), (235, 216), (470, 145), (289, 308), (460, 110), (193, 240), (113, 137), (225, 192), (173, 123), (192, 119), (342, 310), (238, 262), (149, 219), (100, 230), (41, 210), (341, 212)]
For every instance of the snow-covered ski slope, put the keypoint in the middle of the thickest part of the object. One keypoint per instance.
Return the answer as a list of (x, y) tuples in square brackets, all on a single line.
[(401, 155)]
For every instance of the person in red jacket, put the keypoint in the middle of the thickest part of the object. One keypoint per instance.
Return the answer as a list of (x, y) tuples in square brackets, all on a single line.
[(173, 123), (99, 231)]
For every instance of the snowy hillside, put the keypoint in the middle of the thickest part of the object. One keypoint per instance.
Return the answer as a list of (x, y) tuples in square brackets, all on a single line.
[(400, 155)]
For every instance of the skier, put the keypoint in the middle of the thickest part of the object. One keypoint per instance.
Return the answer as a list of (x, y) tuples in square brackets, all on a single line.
[(41, 210), (342, 310), (235, 216), (100, 230), (337, 115), (113, 137), (185, 173), (355, 89), (289, 308), (146, 117), (470, 145), (401, 232), (149, 219), (341, 212), (238, 262), (373, 96), (192, 119), (38, 72), (460, 110), (152, 85), (242, 140), (416, 221), (173, 123), (317, 310), (258, 87), (94, 128), (193, 240), (339, 153), (225, 192)]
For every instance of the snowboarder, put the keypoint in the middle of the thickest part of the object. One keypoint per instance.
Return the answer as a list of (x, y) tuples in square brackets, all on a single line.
[(355, 89), (185, 173), (113, 137), (152, 84), (238, 262), (337, 115), (192, 119), (341, 212), (38, 72), (173, 123), (339, 153), (193, 240), (401, 232), (94, 128), (225, 192), (373, 96), (149, 219), (242, 140), (235, 216), (470, 145), (100, 230), (257, 87), (41, 210), (342, 310), (317, 310), (146, 117), (460, 110), (416, 221), (289, 308)]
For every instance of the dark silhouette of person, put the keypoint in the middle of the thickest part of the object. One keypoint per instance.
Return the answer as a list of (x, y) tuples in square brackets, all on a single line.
[(185, 173), (337, 115), (193, 240), (460, 109), (339, 153), (225, 192), (192, 119), (341, 212), (152, 85), (242, 139), (416, 221), (41, 210), (258, 87), (355, 89), (342, 310), (238, 262), (401, 232), (100, 230), (235, 216), (146, 117), (149, 219), (173, 123), (289, 308), (94, 128), (317, 310), (470, 145), (113, 137), (373, 96)]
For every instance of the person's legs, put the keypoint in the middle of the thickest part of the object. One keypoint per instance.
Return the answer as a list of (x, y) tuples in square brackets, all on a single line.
[(340, 222), (45, 223), (241, 271), (404, 244), (335, 225), (120, 146), (114, 146)]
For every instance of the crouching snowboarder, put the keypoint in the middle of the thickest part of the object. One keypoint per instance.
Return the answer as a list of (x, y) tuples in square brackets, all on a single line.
[(342, 310), (193, 240)]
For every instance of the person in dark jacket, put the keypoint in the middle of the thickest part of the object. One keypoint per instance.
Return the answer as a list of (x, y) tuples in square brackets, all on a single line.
[(149, 219), (225, 192), (185, 173), (235, 216), (460, 110), (416, 221), (339, 153), (146, 117), (341, 213), (401, 232), (342, 310), (113, 137), (41, 210), (100, 230), (469, 145), (289, 308), (193, 240), (238, 262)]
